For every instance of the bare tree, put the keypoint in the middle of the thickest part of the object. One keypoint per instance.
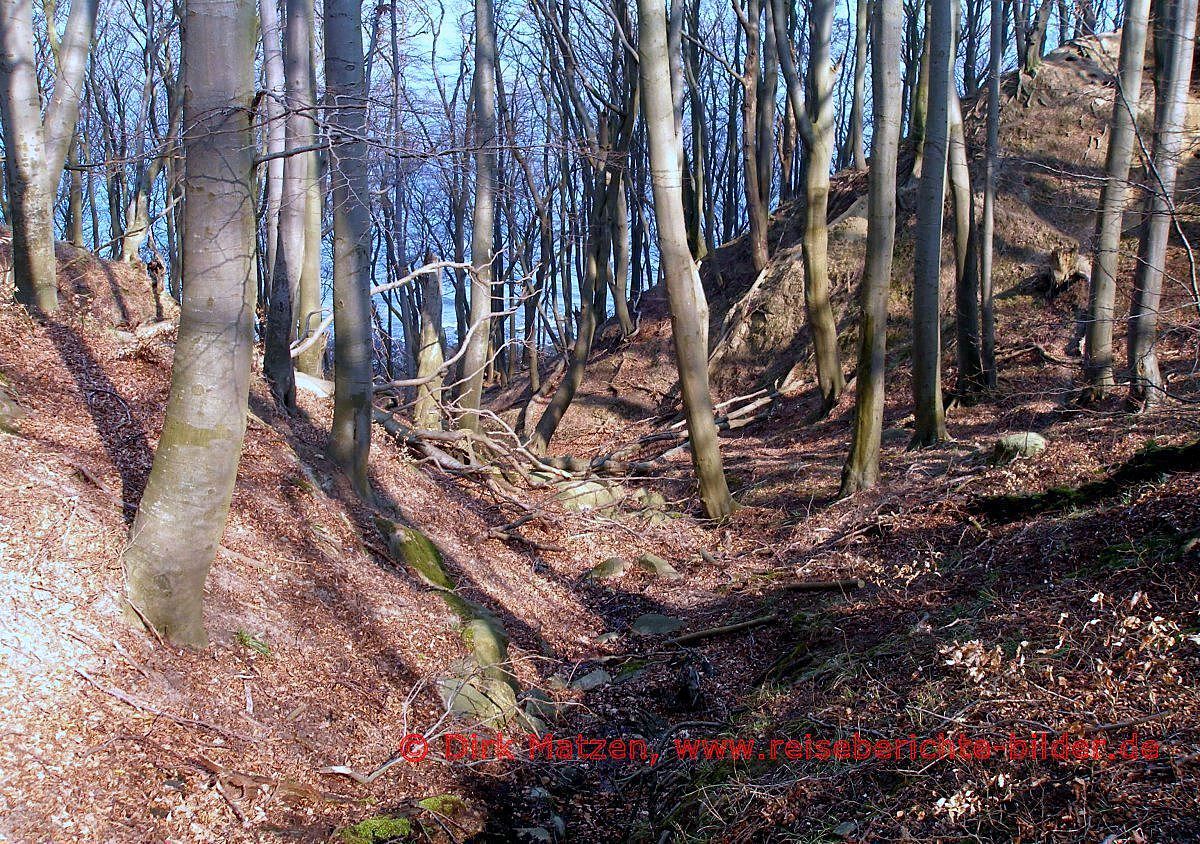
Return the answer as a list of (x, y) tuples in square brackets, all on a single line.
[(482, 243), (862, 466), (36, 145), (183, 511), (1098, 350), (689, 312), (987, 226), (346, 94), (927, 261), (1174, 47)]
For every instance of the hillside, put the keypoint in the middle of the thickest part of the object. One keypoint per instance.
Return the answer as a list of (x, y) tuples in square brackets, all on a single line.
[(1072, 615)]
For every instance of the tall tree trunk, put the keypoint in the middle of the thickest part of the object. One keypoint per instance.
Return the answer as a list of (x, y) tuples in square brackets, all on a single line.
[(308, 302), (293, 200), (482, 246), (689, 312), (862, 466), (427, 411), (819, 135), (1037, 37), (1174, 43), (1098, 349), (275, 110), (137, 212), (860, 84), (346, 89), (75, 198), (988, 224), (927, 260), (919, 107), (767, 90), (183, 511), (36, 147), (966, 260), (756, 209)]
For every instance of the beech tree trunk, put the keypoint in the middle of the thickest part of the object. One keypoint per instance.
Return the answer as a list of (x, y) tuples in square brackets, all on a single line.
[(756, 209), (427, 411), (1174, 42), (36, 147), (862, 466), (346, 90), (293, 205), (183, 511), (689, 312), (966, 260), (275, 112), (988, 223), (482, 244), (1098, 349), (927, 260), (860, 84)]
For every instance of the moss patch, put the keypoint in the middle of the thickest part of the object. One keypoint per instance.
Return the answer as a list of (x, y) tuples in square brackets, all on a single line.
[(377, 831)]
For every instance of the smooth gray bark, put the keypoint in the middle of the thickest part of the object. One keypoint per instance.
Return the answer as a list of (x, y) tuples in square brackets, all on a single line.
[(483, 221), (36, 146), (1175, 42), (862, 466), (1098, 348), (689, 312), (184, 509), (987, 226), (927, 260), (346, 92), (275, 111)]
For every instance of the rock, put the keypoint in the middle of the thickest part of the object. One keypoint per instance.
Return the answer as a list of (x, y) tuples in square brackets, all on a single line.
[(1011, 446), (612, 567), (10, 411), (533, 833), (605, 638), (592, 680), (538, 704), (658, 567), (845, 829), (582, 496), (655, 624), (490, 701)]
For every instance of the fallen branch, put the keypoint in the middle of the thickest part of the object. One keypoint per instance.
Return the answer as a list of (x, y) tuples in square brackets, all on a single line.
[(737, 627), (824, 585)]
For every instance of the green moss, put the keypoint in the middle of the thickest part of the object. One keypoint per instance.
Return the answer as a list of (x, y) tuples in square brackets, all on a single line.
[(417, 551), (442, 804), (377, 831)]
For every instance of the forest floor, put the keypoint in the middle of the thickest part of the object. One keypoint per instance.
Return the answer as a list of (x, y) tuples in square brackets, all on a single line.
[(1075, 618)]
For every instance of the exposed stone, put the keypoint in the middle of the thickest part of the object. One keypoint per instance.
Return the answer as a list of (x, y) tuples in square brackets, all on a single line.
[(582, 496), (655, 624), (657, 566), (1012, 446), (592, 680), (612, 567)]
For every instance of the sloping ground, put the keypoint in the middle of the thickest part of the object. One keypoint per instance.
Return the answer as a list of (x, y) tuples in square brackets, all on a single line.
[(324, 652)]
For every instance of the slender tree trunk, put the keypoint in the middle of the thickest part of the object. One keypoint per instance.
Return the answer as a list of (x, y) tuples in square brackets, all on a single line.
[(308, 304), (862, 466), (293, 199), (36, 147), (75, 199), (927, 262), (767, 90), (860, 84), (427, 412), (688, 309), (183, 511), (1174, 41), (620, 247), (346, 90), (966, 260), (919, 108), (1098, 349), (1037, 37), (137, 212), (275, 110), (988, 224), (817, 129), (482, 246), (756, 209)]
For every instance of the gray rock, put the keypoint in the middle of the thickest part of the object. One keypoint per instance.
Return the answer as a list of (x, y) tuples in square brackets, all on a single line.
[(592, 680), (1012, 446), (533, 833), (582, 496), (605, 638), (612, 567), (657, 566), (655, 624)]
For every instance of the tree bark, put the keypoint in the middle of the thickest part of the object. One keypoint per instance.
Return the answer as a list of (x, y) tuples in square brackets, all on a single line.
[(1098, 349), (688, 308), (860, 84), (427, 411), (183, 511), (988, 223), (346, 90), (862, 466), (756, 209), (275, 110), (1174, 41), (293, 202), (36, 148), (966, 260), (927, 261), (482, 245)]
